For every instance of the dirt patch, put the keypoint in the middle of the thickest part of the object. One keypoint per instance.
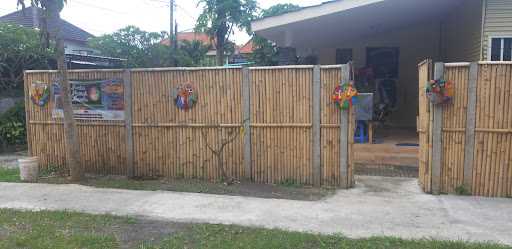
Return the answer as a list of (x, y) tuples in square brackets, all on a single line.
[(295, 192), (146, 232)]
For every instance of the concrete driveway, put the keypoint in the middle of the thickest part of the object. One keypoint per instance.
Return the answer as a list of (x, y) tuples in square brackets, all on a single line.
[(378, 206)]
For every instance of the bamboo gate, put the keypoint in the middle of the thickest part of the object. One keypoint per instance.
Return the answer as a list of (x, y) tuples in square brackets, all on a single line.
[(291, 129), (467, 144)]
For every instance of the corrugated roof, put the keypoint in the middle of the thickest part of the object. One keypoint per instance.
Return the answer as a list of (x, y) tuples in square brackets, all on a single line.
[(25, 19)]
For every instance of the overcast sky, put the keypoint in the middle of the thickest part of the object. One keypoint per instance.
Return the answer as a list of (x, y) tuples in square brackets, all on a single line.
[(105, 16)]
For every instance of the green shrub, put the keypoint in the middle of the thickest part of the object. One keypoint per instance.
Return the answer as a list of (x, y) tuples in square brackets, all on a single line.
[(12, 126)]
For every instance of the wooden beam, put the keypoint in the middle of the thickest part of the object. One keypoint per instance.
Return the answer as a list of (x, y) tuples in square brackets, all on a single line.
[(344, 119), (130, 166), (246, 102), (437, 136), (316, 133), (469, 148)]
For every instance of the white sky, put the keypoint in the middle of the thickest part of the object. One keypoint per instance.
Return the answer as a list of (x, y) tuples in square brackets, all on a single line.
[(105, 16)]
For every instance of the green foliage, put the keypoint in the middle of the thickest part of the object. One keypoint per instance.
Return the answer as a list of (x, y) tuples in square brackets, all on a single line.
[(462, 190), (219, 18), (20, 49), (9, 175), (12, 126), (144, 49), (290, 183), (195, 50), (265, 52)]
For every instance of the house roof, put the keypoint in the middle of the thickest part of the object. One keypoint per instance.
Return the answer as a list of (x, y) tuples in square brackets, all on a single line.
[(334, 22), (248, 48), (191, 36), (310, 12), (25, 18)]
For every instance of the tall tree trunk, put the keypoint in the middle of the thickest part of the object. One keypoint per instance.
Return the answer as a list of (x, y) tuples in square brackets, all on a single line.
[(72, 146), (220, 48)]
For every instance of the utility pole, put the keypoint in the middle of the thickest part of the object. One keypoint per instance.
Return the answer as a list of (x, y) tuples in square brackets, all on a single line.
[(172, 33)]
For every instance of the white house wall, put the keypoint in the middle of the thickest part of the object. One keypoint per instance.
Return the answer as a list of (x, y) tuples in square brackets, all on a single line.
[(416, 42), (497, 22)]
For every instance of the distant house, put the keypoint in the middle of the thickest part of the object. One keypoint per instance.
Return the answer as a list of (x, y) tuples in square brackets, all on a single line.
[(240, 55), (78, 53), (197, 36)]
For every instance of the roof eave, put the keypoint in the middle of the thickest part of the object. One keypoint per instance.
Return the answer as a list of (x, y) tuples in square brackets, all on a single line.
[(309, 13)]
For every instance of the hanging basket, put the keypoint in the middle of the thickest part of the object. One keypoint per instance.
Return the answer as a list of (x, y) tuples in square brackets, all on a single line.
[(40, 94), (440, 91), (185, 96), (345, 95)]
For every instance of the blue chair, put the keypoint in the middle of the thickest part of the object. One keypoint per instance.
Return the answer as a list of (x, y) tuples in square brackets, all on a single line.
[(361, 132)]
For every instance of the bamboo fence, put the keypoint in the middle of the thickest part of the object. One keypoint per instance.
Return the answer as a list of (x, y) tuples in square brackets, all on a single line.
[(284, 138), (476, 133)]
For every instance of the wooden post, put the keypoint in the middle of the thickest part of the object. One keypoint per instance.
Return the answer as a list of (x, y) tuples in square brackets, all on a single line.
[(344, 133), (130, 168), (469, 149), (316, 133), (246, 102), (437, 136)]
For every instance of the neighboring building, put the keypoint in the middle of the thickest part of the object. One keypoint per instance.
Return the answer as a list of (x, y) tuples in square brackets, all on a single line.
[(390, 37), (203, 38), (78, 53), (240, 55)]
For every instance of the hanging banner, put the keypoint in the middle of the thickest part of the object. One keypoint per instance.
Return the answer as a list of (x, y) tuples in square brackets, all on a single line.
[(93, 100)]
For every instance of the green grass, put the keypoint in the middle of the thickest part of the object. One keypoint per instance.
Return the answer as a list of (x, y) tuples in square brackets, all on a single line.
[(9, 175), (224, 237), (57, 230), (62, 230)]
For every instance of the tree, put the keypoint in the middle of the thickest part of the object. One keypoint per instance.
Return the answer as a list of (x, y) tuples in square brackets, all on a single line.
[(195, 50), (266, 52), (51, 13), (141, 49), (226, 138), (220, 17), (20, 49)]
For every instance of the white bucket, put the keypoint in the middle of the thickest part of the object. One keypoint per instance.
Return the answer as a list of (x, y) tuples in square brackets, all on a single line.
[(29, 169)]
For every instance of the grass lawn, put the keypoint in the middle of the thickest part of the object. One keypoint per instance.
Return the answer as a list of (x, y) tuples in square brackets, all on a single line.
[(59, 230), (286, 190), (9, 175)]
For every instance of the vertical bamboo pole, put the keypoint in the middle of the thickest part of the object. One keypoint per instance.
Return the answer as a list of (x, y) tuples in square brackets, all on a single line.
[(437, 136)]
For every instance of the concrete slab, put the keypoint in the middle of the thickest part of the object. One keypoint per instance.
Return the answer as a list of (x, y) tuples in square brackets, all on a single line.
[(378, 206)]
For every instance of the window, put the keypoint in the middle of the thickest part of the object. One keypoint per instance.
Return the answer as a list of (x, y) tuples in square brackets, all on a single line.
[(343, 56), (501, 49), (384, 61)]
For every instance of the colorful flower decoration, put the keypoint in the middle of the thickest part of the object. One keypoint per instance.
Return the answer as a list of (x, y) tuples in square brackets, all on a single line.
[(40, 94), (185, 96), (440, 91), (345, 95)]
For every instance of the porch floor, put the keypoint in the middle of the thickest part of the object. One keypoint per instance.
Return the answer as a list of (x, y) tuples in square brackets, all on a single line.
[(387, 149)]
